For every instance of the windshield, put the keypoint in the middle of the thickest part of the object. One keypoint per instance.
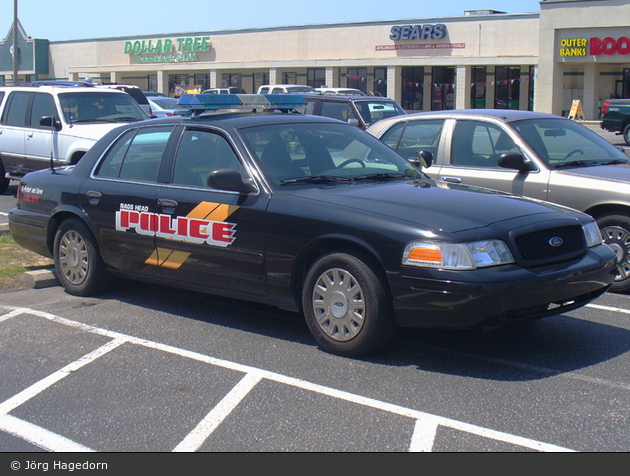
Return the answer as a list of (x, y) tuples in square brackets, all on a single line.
[(100, 107), (306, 153), (372, 111), (563, 143)]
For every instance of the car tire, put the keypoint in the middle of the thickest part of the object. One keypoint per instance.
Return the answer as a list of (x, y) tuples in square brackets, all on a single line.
[(616, 233), (4, 181), (346, 306), (626, 134), (78, 262)]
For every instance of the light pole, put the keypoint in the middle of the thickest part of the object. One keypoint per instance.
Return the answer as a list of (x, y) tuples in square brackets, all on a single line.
[(15, 43)]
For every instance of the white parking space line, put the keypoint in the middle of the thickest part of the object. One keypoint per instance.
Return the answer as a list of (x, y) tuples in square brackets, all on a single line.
[(214, 418), (426, 424), (423, 435), (4, 214), (608, 308), (39, 436)]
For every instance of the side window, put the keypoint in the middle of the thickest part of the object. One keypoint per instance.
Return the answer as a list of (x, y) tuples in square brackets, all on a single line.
[(136, 157), (421, 135), (199, 153), (393, 134), (479, 144), (110, 165), (43, 106), (310, 108), (336, 110), (15, 110)]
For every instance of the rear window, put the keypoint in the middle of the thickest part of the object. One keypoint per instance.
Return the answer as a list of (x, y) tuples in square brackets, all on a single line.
[(137, 94)]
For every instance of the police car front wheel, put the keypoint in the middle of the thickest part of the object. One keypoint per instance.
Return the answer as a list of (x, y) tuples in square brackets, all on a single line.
[(346, 306)]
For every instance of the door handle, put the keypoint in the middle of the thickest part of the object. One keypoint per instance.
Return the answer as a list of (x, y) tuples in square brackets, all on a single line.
[(166, 203), (451, 179), (93, 197)]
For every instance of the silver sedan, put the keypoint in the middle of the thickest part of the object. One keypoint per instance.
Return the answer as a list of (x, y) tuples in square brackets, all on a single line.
[(541, 156)]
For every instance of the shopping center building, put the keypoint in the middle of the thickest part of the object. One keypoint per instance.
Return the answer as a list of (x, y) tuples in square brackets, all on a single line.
[(543, 61)]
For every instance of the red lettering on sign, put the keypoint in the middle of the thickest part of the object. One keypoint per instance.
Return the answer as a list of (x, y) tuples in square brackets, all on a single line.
[(195, 229), (165, 225)]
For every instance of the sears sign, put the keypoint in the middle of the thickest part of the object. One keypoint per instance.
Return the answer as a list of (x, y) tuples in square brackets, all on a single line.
[(418, 32)]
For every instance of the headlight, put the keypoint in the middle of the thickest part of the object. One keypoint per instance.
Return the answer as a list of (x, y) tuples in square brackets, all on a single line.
[(592, 234), (457, 255)]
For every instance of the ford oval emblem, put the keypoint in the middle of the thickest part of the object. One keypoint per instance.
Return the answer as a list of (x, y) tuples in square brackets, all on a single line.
[(555, 241)]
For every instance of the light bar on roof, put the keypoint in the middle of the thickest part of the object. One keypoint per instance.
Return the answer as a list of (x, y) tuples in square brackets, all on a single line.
[(210, 102)]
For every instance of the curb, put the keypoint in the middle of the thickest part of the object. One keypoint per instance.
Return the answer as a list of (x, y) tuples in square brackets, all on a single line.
[(42, 278), (4, 229)]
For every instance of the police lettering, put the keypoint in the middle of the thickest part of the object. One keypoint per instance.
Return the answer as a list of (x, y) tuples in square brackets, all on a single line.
[(418, 32), (191, 230)]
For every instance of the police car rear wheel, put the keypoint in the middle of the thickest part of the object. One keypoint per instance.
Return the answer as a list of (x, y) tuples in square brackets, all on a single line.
[(78, 263), (346, 306)]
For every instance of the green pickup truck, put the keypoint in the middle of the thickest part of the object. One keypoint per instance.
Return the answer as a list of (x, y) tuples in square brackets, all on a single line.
[(616, 117)]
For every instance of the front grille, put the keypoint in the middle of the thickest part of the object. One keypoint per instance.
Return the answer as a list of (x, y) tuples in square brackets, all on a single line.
[(536, 248)]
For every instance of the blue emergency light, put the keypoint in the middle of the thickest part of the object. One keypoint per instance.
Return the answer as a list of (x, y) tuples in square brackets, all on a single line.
[(213, 102)]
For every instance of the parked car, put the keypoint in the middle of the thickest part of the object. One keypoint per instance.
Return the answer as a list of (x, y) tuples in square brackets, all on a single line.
[(308, 214), (43, 125), (360, 111), (616, 117), (230, 90), (284, 89), (134, 91), (165, 106), (150, 94), (346, 91), (525, 153)]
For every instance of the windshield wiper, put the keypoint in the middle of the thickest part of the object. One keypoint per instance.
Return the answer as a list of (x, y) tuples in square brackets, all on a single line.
[(91, 119), (576, 163), (615, 161), (380, 176), (314, 179)]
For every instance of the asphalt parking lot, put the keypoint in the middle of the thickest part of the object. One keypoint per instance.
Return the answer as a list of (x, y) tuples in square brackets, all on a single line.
[(144, 370)]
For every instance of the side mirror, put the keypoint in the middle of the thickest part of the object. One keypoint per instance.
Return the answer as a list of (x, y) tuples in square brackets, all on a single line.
[(230, 180), (353, 121), (514, 160), (423, 159), (50, 121)]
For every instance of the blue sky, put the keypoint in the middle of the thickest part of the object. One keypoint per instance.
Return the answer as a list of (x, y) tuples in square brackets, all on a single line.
[(58, 20)]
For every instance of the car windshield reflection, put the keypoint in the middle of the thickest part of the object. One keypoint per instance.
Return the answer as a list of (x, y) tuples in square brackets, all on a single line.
[(561, 143)]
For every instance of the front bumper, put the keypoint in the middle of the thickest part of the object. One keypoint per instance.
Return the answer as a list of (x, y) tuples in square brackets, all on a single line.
[(491, 297)]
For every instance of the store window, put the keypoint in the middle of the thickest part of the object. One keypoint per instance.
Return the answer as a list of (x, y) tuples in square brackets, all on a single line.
[(178, 84), (507, 87), (412, 88), (357, 78), (203, 80), (289, 78), (443, 88), (315, 77), (380, 81), (478, 89), (231, 79), (260, 79)]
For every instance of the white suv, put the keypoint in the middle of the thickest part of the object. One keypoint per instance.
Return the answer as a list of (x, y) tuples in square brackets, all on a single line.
[(285, 89), (42, 124)]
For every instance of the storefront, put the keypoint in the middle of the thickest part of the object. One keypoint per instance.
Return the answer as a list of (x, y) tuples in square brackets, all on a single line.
[(541, 61)]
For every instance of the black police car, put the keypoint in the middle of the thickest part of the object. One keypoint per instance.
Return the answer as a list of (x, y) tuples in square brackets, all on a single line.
[(308, 214)]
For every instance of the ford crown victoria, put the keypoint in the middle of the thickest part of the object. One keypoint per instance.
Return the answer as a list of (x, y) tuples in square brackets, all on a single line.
[(308, 214)]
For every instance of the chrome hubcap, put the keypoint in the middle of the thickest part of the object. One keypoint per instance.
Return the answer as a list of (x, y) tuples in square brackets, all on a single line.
[(73, 257), (338, 303), (618, 239)]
